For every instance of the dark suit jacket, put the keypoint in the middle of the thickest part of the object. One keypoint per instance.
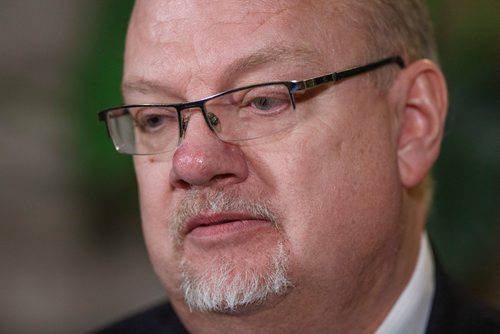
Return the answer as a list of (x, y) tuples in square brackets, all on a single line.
[(452, 312)]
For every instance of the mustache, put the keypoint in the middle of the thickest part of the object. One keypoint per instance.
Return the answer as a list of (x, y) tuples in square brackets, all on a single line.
[(212, 201)]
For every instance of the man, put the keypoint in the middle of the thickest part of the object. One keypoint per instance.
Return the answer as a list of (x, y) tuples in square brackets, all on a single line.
[(276, 204)]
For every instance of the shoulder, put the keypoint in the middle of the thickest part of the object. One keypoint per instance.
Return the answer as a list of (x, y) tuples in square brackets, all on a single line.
[(453, 311), (158, 319)]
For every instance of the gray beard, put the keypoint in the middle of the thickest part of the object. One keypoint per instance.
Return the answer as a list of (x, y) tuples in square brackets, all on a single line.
[(227, 286)]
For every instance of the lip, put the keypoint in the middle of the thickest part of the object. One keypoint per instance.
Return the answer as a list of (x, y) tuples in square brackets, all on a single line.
[(218, 225), (215, 219)]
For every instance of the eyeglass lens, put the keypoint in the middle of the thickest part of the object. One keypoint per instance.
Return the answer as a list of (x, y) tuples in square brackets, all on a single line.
[(238, 115)]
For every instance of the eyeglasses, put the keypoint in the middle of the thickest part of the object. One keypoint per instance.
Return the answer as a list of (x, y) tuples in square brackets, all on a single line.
[(235, 115)]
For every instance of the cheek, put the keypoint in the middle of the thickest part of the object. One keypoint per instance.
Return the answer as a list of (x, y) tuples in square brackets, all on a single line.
[(154, 187), (339, 191), (155, 199)]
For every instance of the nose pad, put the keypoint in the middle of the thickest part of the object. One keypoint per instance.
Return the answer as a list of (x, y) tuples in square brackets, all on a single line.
[(184, 121), (213, 122), (191, 115)]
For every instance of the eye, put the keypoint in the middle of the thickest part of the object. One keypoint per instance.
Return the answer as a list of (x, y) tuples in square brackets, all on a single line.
[(266, 103), (267, 100), (151, 120)]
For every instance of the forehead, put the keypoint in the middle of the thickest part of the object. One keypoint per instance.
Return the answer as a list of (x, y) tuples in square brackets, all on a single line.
[(190, 38), (163, 19)]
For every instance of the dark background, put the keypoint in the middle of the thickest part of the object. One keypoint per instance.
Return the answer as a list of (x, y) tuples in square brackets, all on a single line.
[(72, 255)]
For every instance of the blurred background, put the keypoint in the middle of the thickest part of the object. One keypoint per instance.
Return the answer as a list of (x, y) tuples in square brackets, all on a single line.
[(72, 255)]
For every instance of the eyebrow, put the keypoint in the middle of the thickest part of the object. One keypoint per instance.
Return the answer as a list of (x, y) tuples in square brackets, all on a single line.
[(142, 86), (269, 54)]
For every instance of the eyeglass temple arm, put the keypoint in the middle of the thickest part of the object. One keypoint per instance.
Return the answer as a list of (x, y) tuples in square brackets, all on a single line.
[(370, 67), (336, 76)]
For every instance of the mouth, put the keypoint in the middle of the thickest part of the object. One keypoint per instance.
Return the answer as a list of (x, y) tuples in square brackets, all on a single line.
[(217, 226)]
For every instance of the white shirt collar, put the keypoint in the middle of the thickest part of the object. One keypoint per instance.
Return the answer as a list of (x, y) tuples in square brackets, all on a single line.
[(411, 311)]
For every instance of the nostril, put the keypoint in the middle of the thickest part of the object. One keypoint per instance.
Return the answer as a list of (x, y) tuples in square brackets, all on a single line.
[(220, 177)]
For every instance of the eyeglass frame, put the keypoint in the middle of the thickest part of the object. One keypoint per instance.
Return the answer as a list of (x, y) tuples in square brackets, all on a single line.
[(293, 86)]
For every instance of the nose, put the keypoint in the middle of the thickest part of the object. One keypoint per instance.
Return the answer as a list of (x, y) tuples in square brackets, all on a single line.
[(202, 159)]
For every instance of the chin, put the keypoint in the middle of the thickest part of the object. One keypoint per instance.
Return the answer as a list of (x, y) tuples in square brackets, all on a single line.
[(232, 285)]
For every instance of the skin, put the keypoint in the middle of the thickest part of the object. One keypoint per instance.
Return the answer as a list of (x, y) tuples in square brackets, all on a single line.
[(344, 181)]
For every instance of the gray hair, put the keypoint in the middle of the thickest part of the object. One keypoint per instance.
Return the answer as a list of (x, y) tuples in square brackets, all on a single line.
[(391, 27)]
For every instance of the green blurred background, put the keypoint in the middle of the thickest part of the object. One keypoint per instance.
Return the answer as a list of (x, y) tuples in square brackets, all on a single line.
[(72, 252)]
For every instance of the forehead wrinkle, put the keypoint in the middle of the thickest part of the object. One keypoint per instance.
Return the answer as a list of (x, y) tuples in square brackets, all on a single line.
[(272, 54), (268, 55)]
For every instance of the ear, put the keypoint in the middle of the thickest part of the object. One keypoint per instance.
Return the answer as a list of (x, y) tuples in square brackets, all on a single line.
[(422, 101)]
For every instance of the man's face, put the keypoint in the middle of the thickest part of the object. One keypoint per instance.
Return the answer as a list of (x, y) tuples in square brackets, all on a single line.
[(317, 205)]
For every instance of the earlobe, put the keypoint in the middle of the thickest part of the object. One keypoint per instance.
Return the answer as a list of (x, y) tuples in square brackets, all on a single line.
[(423, 107)]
